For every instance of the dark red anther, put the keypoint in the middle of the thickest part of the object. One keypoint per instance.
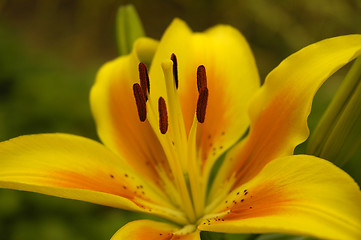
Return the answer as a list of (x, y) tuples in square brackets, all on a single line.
[(144, 79), (163, 116), (140, 101), (175, 69), (201, 78), (202, 104)]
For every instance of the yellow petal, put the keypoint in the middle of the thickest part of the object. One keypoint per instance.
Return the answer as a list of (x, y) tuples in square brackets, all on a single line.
[(231, 75), (296, 195), (280, 108), (116, 115), (151, 230), (78, 168)]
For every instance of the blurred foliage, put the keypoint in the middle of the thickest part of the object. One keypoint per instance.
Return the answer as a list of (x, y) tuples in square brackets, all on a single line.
[(338, 133), (128, 28), (50, 52)]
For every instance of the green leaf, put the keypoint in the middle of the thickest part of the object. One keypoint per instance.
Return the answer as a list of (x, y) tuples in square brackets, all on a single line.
[(338, 134), (128, 28)]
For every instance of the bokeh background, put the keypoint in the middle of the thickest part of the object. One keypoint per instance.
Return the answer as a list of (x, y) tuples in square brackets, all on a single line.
[(50, 52)]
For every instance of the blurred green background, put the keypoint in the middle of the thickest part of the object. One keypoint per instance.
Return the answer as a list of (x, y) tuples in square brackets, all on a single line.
[(50, 52)]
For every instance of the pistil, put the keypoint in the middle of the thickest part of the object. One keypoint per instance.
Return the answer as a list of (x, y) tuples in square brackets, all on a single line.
[(177, 139)]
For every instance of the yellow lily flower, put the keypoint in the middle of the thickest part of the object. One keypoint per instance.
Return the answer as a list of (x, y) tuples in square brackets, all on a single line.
[(163, 132)]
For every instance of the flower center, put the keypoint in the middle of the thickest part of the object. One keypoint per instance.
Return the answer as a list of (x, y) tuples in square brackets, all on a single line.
[(179, 146), (142, 90)]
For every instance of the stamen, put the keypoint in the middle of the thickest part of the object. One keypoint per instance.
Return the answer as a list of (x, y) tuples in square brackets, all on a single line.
[(175, 69), (140, 101), (201, 78), (163, 116), (144, 79), (202, 104)]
